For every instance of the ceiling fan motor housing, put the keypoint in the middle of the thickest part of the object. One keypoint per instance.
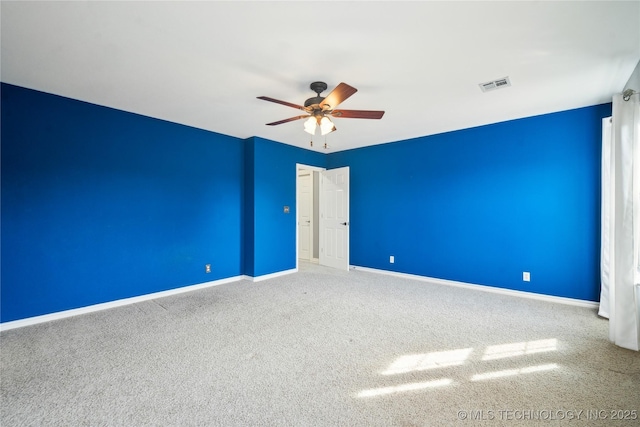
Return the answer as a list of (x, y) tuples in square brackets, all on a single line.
[(317, 87), (315, 100)]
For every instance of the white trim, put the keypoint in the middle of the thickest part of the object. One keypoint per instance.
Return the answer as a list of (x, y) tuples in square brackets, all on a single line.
[(113, 304), (271, 276), (126, 301), (309, 167), (503, 291)]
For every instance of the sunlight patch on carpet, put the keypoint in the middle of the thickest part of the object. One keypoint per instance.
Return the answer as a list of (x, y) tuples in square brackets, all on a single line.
[(433, 360), (512, 372), (519, 349)]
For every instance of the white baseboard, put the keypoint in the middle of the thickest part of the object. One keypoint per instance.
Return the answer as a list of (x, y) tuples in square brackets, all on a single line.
[(126, 301), (112, 304), (271, 276), (503, 291)]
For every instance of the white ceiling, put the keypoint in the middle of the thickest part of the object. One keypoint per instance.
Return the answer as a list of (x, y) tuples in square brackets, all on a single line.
[(203, 64)]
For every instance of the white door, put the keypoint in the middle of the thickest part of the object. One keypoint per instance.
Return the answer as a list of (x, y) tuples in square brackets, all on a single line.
[(334, 218), (305, 194)]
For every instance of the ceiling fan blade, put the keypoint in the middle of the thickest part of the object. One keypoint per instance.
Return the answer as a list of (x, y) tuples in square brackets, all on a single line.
[(357, 114), (339, 94), (279, 122), (277, 101)]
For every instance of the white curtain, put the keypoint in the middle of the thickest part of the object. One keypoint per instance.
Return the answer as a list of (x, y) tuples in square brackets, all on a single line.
[(620, 259), (605, 218)]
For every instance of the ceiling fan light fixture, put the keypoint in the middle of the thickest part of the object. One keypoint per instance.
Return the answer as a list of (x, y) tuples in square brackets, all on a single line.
[(316, 108), (326, 126), (310, 125)]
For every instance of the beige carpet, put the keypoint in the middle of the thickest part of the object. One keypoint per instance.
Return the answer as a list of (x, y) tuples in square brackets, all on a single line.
[(321, 348)]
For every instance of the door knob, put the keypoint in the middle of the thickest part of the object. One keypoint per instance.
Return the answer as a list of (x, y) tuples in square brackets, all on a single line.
[(344, 223)]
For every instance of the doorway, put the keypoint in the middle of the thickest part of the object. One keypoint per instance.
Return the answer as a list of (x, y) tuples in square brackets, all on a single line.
[(322, 216), (308, 204)]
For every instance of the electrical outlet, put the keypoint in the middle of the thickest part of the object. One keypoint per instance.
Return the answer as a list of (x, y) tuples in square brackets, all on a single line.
[(392, 259), (526, 276), (207, 268)]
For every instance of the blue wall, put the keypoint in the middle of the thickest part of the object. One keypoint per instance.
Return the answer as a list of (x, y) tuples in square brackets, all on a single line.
[(274, 187), (99, 204), (482, 205)]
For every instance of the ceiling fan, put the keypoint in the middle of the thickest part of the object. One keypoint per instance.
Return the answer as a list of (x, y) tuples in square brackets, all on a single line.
[(319, 108)]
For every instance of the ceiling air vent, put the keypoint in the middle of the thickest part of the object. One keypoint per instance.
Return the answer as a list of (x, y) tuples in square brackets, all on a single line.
[(495, 84)]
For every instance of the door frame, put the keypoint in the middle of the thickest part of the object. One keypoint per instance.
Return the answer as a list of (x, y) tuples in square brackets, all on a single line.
[(312, 169)]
